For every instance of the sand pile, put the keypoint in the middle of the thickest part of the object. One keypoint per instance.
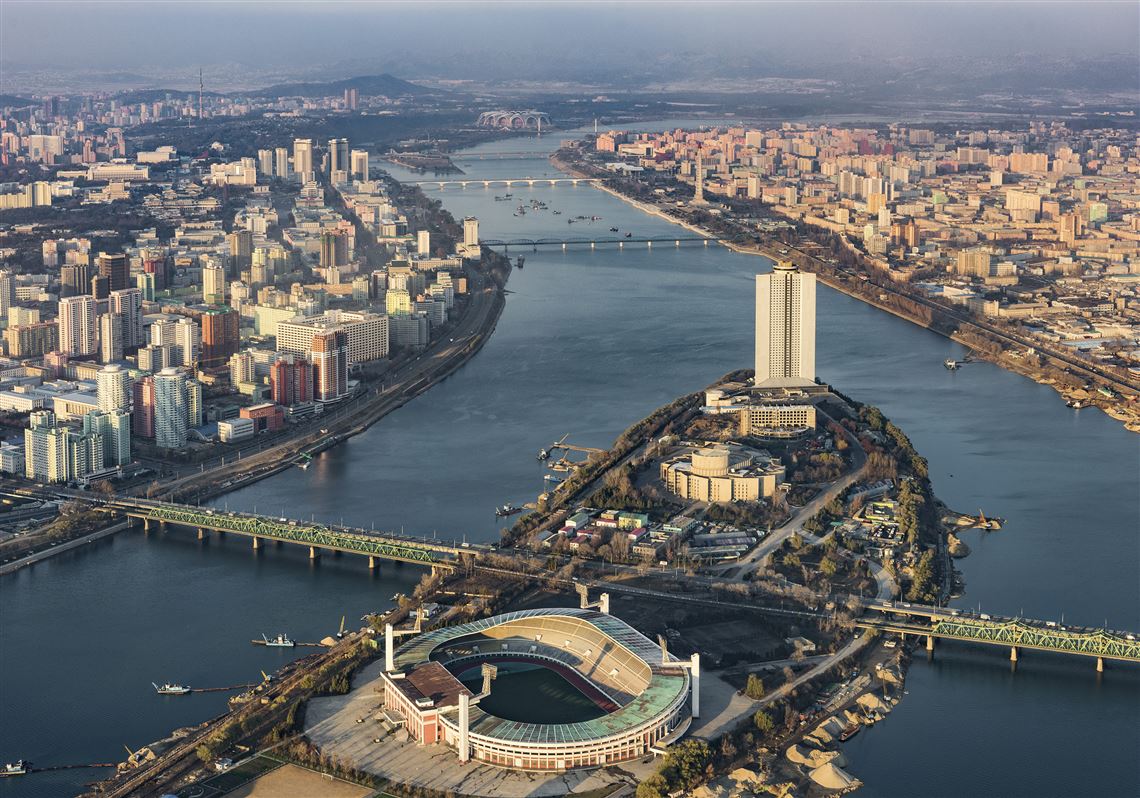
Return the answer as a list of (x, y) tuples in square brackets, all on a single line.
[(871, 702), (833, 778), (827, 732), (811, 757)]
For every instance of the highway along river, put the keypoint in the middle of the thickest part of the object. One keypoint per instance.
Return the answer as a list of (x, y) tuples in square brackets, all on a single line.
[(590, 341)]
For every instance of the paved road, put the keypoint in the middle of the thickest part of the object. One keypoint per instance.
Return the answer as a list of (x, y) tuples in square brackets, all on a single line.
[(756, 558)]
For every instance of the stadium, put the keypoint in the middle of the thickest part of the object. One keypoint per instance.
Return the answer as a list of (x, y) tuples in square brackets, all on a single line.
[(640, 698)]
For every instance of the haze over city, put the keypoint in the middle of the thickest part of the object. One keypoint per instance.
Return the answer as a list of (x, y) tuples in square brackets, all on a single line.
[(616, 399)]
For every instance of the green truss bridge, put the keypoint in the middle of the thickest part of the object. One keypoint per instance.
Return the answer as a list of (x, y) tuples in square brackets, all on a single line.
[(1015, 633), (318, 537)]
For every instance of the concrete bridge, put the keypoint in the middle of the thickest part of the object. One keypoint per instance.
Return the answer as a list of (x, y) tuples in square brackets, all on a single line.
[(317, 537), (1015, 633), (506, 181), (593, 242)]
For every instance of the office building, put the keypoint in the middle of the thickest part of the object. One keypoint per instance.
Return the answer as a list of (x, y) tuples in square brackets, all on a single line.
[(410, 330), (265, 162), (785, 328), (113, 388), (241, 368), (291, 380), (188, 343), (334, 249), (77, 336), (171, 409), (58, 454), (240, 243), (423, 243), (116, 268), (74, 279), (330, 365)]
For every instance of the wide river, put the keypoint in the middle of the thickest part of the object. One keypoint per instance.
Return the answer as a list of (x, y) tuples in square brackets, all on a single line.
[(589, 342)]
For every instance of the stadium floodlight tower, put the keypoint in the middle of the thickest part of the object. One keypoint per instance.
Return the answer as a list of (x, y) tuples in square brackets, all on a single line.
[(465, 702), (390, 643), (603, 602), (693, 666)]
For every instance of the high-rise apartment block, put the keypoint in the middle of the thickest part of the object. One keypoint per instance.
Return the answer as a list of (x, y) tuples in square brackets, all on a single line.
[(77, 336)]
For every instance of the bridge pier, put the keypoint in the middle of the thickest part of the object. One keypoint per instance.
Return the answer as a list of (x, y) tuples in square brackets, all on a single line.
[(314, 553), (677, 243), (202, 533), (706, 242), (1013, 654), (592, 245), (256, 543), (621, 245), (1100, 664), (373, 563), (146, 525), (486, 184), (930, 644), (563, 246), (649, 244)]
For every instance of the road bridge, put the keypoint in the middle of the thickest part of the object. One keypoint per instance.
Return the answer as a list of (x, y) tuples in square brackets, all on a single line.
[(317, 537), (593, 242), (504, 181), (1014, 633)]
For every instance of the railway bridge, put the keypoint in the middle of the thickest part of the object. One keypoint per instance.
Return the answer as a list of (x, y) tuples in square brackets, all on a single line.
[(317, 537), (1015, 633)]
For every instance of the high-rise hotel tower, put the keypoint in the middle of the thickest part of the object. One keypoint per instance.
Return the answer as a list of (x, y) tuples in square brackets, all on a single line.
[(785, 328)]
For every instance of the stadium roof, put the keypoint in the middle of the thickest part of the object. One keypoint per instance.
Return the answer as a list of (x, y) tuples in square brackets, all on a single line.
[(665, 686)]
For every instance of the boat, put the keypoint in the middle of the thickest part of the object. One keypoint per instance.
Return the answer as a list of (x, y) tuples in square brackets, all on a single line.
[(303, 466), (950, 363), (519, 262), (324, 430), (166, 688), (988, 523), (629, 235), (281, 641), (849, 732), (17, 768), (613, 229), (543, 454), (552, 478), (507, 509), (595, 218), (557, 213), (1074, 403)]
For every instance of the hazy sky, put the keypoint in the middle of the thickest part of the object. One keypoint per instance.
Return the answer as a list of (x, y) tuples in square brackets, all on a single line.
[(458, 39)]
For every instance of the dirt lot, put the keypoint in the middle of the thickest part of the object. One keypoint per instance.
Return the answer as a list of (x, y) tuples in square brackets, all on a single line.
[(290, 781)]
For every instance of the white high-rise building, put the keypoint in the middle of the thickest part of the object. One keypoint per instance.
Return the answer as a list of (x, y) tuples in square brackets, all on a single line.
[(7, 292), (213, 285), (113, 388), (471, 232), (115, 429), (188, 339), (785, 328), (110, 337), (281, 163), (423, 243), (127, 302), (303, 159), (359, 162), (171, 409), (77, 326)]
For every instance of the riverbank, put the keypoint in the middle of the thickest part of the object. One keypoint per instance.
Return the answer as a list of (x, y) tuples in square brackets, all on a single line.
[(1125, 409), (69, 545)]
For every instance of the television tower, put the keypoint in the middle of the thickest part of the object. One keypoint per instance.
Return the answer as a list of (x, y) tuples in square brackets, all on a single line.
[(200, 87)]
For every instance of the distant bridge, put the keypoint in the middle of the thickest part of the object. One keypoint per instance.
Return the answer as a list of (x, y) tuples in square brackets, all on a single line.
[(318, 537), (593, 242), (1016, 633), (505, 181), (497, 156)]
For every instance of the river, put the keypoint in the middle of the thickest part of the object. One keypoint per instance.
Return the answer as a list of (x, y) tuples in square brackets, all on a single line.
[(589, 342)]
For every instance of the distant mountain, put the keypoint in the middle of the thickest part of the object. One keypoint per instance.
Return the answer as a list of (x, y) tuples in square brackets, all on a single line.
[(366, 85), (12, 101)]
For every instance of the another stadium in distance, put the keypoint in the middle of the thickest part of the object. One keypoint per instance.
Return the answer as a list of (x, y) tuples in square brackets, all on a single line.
[(643, 699)]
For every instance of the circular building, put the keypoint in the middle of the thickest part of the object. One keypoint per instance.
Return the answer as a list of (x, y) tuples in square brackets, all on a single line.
[(643, 698)]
